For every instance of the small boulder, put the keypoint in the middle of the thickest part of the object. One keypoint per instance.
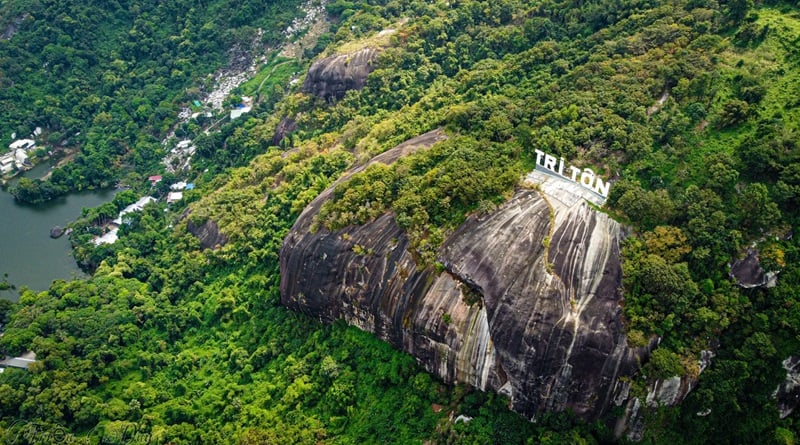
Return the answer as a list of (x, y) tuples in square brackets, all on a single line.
[(748, 272), (56, 232)]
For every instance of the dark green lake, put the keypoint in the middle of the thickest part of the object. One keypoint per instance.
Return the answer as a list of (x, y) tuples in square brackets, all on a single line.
[(28, 255)]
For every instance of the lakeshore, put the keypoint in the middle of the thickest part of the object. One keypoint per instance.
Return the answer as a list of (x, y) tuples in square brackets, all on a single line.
[(28, 256)]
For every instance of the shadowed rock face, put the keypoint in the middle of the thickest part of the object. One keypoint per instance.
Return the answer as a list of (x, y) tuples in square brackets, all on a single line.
[(208, 233), (11, 28), (285, 128), (543, 326), (331, 77), (748, 272)]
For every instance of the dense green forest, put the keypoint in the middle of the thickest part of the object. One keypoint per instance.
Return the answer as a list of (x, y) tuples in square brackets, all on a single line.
[(691, 107), (106, 82)]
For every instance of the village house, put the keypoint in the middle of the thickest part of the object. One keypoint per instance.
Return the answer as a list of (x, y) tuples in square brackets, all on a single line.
[(17, 157), (111, 237), (174, 197), (25, 144), (7, 163), (242, 108), (21, 159)]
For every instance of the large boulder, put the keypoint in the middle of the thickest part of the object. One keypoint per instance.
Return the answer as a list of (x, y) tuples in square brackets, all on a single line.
[(527, 303), (330, 78), (208, 233), (56, 232)]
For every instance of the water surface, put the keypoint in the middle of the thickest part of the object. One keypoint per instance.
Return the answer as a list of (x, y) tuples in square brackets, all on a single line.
[(28, 255)]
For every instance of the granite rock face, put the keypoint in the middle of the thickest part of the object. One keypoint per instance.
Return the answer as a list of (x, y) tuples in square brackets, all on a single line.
[(788, 392), (748, 272), (330, 78), (208, 233), (528, 303), (286, 127), (12, 27)]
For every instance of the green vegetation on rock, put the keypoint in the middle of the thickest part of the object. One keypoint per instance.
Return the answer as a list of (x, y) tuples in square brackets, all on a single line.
[(691, 107)]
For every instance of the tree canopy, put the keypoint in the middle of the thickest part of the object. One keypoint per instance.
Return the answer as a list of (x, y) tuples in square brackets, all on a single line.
[(689, 107)]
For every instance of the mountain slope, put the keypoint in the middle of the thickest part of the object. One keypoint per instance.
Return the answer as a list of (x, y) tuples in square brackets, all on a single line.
[(686, 106)]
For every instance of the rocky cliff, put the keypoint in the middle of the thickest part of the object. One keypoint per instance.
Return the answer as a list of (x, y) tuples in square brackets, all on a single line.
[(528, 303), (330, 78)]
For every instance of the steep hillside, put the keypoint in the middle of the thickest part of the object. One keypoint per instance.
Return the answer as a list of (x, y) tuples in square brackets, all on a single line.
[(525, 301), (575, 315), (106, 83)]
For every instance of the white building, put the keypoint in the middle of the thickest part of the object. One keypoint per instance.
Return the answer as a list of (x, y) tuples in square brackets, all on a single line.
[(137, 206), (22, 362), (25, 144), (7, 163), (244, 107), (21, 158), (174, 197), (111, 236), (238, 112)]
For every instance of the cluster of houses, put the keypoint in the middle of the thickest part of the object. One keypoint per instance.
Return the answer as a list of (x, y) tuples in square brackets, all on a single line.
[(175, 194), (176, 190), (110, 237), (17, 157)]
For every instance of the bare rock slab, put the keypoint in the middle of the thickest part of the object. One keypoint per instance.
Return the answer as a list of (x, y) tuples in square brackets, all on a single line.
[(528, 303)]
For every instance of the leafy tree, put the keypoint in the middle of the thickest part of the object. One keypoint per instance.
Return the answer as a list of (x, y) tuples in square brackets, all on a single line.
[(733, 113), (758, 212)]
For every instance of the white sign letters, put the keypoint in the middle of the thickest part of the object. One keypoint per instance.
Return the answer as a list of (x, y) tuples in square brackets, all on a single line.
[(585, 177)]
